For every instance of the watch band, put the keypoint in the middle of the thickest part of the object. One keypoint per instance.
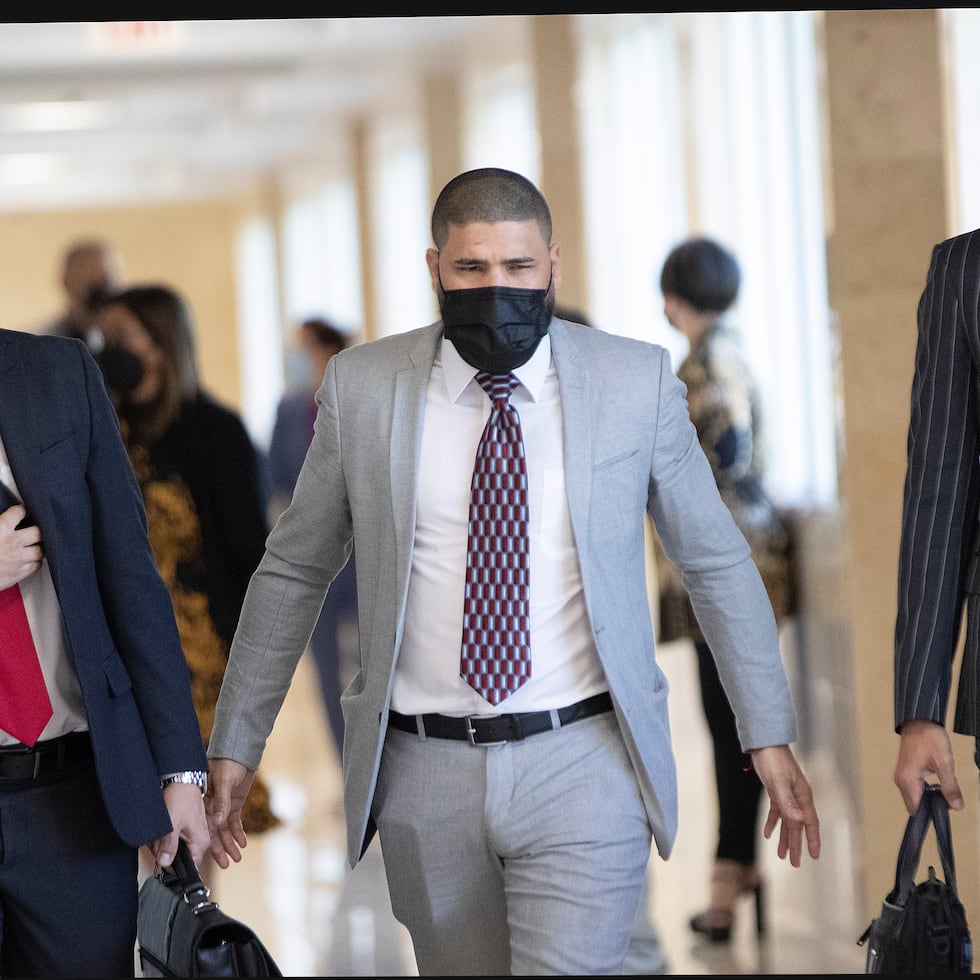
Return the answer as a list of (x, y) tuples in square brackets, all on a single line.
[(192, 777)]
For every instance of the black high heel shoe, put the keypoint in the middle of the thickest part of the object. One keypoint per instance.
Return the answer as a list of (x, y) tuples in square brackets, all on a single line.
[(729, 881)]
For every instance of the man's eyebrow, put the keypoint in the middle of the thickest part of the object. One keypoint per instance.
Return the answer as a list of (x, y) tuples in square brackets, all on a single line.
[(513, 260)]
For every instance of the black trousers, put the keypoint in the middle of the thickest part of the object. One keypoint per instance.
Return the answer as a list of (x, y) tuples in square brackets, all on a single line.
[(739, 788), (68, 885)]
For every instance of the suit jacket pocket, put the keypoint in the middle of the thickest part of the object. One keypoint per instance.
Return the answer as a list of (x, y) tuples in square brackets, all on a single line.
[(619, 496)]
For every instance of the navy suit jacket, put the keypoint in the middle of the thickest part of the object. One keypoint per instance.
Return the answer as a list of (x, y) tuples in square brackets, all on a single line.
[(62, 439), (938, 561)]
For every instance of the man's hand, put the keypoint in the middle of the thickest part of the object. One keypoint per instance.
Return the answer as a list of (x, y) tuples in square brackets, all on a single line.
[(20, 551), (186, 808), (790, 802), (228, 786), (925, 750)]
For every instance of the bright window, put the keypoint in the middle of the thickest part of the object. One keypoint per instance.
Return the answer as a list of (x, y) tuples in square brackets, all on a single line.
[(398, 170), (708, 124), (261, 351), (963, 36), (501, 126), (321, 256)]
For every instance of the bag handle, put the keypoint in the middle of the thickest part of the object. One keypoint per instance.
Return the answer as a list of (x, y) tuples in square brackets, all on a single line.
[(944, 836), (933, 809), (184, 872)]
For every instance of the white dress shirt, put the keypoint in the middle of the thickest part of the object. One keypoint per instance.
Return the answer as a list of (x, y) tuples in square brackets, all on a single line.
[(565, 666), (44, 617)]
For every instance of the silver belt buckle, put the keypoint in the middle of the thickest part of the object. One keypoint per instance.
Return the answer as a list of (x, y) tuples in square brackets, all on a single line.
[(471, 731)]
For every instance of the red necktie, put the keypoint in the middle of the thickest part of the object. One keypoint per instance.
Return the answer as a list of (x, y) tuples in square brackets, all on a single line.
[(496, 649), (24, 703)]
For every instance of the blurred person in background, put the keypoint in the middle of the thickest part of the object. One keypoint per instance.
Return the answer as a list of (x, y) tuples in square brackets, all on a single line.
[(317, 341), (91, 269), (200, 477), (699, 281)]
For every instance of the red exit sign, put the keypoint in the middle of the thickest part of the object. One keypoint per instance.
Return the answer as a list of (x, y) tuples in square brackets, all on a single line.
[(135, 36)]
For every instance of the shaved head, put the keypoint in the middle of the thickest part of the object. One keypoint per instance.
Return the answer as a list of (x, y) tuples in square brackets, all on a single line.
[(488, 195)]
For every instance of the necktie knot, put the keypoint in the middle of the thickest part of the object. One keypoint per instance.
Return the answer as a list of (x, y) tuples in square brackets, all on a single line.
[(498, 386)]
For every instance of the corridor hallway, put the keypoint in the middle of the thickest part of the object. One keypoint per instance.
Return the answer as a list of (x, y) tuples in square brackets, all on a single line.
[(319, 918)]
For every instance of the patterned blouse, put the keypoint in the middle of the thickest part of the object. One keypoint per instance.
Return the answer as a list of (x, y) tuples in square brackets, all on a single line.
[(723, 403)]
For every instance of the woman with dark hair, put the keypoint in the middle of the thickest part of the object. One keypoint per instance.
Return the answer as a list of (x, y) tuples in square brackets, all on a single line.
[(700, 281), (200, 476)]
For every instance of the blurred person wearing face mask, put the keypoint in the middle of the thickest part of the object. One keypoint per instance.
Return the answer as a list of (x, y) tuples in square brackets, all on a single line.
[(199, 473), (91, 269), (316, 342)]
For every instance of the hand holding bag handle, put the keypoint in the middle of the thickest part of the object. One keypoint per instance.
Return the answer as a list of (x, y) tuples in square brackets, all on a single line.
[(932, 808), (185, 872)]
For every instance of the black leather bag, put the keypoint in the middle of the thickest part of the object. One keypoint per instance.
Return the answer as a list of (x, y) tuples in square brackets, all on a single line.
[(922, 928), (181, 933)]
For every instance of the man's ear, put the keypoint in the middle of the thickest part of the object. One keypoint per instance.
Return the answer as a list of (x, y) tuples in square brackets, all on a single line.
[(432, 261), (555, 251)]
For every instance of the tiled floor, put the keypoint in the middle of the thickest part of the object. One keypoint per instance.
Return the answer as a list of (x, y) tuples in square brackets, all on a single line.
[(319, 918)]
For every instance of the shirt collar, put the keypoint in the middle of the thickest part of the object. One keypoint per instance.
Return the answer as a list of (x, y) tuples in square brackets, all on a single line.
[(459, 374)]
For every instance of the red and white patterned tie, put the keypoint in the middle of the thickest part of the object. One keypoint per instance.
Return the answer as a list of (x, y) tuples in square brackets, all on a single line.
[(25, 707), (496, 649)]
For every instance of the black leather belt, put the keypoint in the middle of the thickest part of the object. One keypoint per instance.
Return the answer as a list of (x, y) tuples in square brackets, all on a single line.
[(496, 729), (48, 758)]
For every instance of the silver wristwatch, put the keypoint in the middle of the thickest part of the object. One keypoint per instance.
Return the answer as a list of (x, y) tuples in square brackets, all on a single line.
[(192, 777)]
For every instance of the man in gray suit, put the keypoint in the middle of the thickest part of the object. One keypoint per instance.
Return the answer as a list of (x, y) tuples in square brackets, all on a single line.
[(515, 835), (939, 568)]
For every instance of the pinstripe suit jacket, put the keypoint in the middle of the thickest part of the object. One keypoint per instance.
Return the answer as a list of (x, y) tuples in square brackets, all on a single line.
[(629, 449), (938, 561)]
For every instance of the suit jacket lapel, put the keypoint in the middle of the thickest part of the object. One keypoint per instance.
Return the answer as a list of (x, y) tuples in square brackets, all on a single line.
[(574, 384), (18, 428), (405, 444)]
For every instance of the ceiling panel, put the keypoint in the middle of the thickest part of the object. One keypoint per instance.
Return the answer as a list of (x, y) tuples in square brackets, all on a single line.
[(110, 112)]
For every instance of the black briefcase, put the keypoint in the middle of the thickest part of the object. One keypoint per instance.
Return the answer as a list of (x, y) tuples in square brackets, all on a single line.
[(181, 933)]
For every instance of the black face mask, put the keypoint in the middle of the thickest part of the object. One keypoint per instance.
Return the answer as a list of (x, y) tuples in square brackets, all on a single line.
[(121, 369), (496, 328), (97, 295)]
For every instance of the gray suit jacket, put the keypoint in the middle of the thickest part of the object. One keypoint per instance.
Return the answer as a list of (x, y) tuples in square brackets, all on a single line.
[(938, 560), (630, 449)]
